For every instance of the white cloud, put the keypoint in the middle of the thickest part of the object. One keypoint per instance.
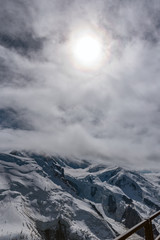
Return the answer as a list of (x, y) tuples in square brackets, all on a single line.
[(111, 112)]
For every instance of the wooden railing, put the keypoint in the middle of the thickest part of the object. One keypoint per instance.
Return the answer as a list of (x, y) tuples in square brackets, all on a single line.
[(146, 224)]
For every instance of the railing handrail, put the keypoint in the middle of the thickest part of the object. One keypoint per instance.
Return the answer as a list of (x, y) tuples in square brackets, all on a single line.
[(147, 224), (154, 215)]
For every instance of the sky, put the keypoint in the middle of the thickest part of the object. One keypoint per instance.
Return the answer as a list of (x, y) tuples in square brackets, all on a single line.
[(49, 104)]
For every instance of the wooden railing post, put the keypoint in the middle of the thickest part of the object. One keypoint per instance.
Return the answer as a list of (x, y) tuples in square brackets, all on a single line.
[(148, 230), (146, 224)]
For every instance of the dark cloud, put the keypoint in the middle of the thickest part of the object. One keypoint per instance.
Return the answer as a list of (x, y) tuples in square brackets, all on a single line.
[(14, 119), (15, 17), (24, 45)]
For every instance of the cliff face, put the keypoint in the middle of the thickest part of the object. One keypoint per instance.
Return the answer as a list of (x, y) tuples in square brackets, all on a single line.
[(48, 197)]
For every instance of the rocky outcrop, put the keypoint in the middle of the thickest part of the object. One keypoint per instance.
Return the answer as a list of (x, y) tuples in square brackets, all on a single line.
[(112, 206), (130, 218)]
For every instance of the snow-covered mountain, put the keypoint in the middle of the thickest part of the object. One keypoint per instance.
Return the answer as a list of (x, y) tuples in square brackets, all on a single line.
[(54, 198)]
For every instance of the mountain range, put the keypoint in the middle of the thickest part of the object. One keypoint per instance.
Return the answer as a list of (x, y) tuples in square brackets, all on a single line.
[(45, 197)]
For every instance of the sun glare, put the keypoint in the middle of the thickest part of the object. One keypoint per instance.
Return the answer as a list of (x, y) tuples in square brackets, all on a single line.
[(87, 50)]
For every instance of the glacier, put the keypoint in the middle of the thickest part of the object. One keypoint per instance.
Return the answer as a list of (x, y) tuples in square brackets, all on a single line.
[(44, 197)]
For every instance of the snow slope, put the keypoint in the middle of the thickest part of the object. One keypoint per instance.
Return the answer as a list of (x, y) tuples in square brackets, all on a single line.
[(49, 197)]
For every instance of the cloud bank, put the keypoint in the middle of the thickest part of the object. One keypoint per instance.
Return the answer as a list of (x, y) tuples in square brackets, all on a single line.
[(46, 104)]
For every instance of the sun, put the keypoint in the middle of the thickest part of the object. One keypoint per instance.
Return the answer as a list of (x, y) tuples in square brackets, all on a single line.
[(87, 50)]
